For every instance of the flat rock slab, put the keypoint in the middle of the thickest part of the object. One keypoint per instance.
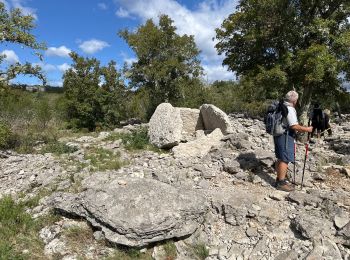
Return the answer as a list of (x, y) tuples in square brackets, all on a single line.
[(135, 212), (199, 147)]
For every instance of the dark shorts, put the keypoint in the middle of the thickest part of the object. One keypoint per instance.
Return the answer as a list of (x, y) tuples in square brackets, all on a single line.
[(284, 151)]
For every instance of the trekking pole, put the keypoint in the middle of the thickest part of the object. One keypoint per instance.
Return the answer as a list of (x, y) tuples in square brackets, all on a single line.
[(306, 152), (295, 149)]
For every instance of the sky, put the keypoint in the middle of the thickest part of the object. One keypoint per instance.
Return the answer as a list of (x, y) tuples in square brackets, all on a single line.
[(90, 28)]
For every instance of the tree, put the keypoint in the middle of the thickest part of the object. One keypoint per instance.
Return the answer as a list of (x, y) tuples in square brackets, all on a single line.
[(15, 28), (297, 43), (94, 94), (166, 62)]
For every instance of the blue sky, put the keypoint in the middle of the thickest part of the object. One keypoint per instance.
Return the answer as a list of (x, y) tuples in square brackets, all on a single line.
[(89, 27)]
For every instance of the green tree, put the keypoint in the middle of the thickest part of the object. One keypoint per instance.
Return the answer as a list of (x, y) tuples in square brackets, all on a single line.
[(166, 62), (15, 28), (93, 94), (279, 44), (112, 95)]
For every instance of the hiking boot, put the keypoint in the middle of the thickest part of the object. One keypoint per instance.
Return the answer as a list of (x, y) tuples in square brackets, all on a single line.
[(284, 185)]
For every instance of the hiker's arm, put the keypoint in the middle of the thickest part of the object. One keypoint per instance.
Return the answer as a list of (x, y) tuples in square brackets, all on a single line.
[(300, 128)]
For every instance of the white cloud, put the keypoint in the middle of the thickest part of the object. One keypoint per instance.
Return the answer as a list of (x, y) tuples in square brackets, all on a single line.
[(61, 51), (63, 67), (10, 56), (46, 66), (93, 46), (127, 59), (102, 6), (200, 22), (121, 12), (217, 72), (25, 10)]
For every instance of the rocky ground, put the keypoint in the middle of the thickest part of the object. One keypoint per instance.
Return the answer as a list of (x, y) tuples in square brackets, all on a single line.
[(212, 199)]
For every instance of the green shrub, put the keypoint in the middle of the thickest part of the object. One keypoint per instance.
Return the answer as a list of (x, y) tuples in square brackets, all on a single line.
[(5, 136), (130, 254), (201, 251), (170, 250), (58, 148), (103, 159)]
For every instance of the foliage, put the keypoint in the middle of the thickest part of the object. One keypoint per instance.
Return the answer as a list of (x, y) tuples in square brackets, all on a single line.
[(94, 95), (130, 254), (102, 159), (200, 251), (15, 27), (170, 250), (135, 140), (31, 117), (57, 148), (5, 135), (166, 62), (18, 231), (279, 44)]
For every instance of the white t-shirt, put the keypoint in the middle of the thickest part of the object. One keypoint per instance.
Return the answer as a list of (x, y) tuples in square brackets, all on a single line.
[(292, 115)]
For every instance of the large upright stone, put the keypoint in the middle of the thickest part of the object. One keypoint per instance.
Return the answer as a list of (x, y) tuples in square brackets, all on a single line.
[(213, 117), (192, 121), (165, 126), (133, 211)]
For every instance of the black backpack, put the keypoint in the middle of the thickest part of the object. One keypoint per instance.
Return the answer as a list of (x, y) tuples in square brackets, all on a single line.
[(274, 124)]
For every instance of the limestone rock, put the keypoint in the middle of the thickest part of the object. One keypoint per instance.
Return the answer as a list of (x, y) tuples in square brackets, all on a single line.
[(165, 126), (191, 121), (213, 118), (141, 212), (312, 227), (199, 147)]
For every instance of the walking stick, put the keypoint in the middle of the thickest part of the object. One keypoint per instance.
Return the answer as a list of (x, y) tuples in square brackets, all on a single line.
[(306, 151), (295, 149)]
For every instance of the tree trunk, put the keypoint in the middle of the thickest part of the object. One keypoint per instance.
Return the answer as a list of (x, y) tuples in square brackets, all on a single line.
[(305, 102)]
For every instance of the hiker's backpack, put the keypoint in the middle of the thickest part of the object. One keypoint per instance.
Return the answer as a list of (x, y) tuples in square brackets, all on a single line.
[(276, 112)]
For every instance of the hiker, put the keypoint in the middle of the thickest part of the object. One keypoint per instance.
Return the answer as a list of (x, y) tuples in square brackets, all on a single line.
[(317, 121), (327, 114), (284, 144)]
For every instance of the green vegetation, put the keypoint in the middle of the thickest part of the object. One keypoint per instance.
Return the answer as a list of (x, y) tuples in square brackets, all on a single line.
[(57, 148), (167, 67), (130, 254), (301, 44), (15, 28), (170, 250), (103, 159), (19, 232), (200, 251), (136, 140)]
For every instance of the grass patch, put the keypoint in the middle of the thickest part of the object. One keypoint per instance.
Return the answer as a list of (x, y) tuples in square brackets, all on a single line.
[(200, 251), (103, 159), (170, 250), (130, 254), (136, 140), (58, 148), (19, 231)]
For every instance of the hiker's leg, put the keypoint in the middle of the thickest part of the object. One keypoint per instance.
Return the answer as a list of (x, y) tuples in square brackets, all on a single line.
[(281, 169)]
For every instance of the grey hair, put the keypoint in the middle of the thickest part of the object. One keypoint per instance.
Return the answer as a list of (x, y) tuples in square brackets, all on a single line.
[(291, 96)]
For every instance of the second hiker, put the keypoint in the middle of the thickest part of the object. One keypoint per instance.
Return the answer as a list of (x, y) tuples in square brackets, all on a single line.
[(284, 144)]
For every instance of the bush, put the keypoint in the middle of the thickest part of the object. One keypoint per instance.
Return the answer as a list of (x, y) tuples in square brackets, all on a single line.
[(58, 148), (18, 231), (5, 136)]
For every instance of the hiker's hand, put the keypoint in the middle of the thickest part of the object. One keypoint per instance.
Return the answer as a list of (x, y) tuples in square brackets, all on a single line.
[(309, 129)]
